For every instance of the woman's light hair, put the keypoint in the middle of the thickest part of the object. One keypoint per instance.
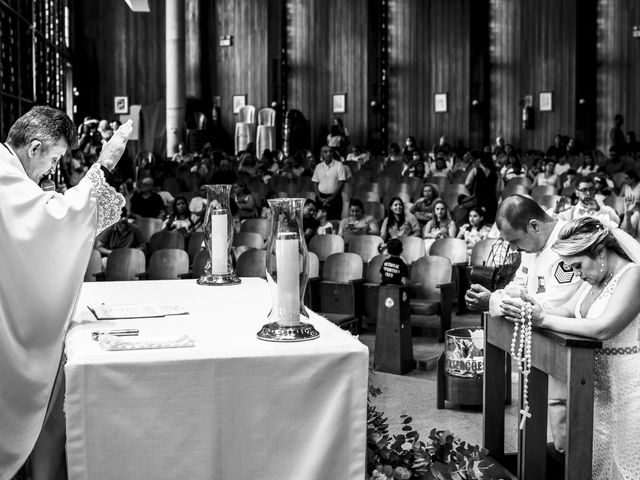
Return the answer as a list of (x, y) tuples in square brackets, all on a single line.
[(586, 236)]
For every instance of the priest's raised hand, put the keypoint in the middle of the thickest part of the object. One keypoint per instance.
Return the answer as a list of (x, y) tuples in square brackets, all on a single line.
[(114, 148)]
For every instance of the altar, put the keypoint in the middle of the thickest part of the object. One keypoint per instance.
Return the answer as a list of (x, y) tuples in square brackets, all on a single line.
[(232, 407)]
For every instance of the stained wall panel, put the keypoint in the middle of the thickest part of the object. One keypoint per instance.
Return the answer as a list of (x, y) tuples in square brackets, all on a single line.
[(117, 52), (618, 76), (428, 54), (328, 54), (533, 49)]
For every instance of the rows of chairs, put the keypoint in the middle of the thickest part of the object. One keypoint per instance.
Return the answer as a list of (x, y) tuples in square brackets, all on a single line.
[(125, 264)]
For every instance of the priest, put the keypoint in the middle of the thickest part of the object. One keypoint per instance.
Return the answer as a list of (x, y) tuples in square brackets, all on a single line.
[(46, 240)]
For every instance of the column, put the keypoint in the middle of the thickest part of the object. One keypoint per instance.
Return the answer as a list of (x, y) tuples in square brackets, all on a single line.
[(175, 73)]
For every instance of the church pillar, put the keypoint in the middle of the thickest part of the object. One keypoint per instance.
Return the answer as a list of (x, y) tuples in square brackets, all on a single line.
[(175, 73)]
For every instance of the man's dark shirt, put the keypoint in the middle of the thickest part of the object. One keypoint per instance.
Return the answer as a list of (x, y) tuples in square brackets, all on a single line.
[(127, 237), (617, 140), (310, 224), (147, 207), (554, 152)]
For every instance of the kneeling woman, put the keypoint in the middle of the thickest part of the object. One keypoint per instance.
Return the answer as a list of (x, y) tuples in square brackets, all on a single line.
[(609, 305)]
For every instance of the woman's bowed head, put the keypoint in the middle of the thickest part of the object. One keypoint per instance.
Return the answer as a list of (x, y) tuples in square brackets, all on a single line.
[(596, 254)]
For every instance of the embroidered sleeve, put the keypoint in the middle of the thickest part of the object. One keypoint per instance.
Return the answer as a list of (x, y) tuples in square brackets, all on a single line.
[(109, 202)]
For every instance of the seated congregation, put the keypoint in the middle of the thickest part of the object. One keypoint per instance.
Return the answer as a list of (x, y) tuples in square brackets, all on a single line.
[(439, 203)]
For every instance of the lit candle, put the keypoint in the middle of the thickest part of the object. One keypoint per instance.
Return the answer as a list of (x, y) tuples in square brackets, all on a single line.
[(219, 237), (288, 274)]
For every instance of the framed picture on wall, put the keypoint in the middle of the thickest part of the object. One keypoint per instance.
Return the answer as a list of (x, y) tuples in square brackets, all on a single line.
[(546, 102), (121, 105), (339, 104), (440, 103), (239, 101)]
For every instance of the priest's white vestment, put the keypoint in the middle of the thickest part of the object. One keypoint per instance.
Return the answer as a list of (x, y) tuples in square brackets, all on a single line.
[(45, 243)]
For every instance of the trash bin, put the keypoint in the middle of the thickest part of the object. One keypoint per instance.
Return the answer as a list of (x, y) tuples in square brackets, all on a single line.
[(464, 352), (461, 367)]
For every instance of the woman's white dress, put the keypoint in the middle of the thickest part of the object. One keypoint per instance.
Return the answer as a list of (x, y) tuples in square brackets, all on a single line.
[(616, 409)]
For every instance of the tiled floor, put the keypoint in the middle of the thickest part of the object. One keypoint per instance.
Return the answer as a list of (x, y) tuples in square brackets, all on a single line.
[(414, 394)]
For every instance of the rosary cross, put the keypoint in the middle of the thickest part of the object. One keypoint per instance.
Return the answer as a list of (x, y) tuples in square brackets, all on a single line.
[(525, 414)]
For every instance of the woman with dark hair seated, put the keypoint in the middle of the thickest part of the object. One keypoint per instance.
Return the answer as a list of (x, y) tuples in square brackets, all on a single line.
[(588, 165), (245, 201), (394, 154), (181, 218), (410, 145), (475, 230), (265, 209), (398, 223)]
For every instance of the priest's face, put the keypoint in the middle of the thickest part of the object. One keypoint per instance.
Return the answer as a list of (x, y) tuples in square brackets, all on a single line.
[(43, 157)]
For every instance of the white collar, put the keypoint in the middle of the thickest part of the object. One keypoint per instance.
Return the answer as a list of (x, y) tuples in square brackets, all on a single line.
[(12, 159), (11, 150)]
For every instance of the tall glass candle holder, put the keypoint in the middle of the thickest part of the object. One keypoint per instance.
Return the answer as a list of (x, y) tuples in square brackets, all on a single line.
[(287, 262), (218, 238)]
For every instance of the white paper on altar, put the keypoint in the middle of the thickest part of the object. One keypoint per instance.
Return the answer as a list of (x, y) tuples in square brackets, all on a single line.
[(232, 406), (133, 310)]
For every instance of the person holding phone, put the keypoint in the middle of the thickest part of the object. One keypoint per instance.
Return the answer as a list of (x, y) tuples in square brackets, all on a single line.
[(357, 223)]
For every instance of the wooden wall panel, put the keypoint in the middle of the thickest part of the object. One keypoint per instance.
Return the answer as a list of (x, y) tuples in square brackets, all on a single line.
[(618, 79), (243, 68), (505, 85), (479, 74), (327, 46), (117, 52), (429, 53), (533, 50), (533, 45)]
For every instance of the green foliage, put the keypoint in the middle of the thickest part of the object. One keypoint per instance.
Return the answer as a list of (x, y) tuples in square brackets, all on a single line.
[(405, 456)]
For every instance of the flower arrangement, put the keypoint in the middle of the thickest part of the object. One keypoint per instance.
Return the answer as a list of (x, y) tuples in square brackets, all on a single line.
[(407, 457)]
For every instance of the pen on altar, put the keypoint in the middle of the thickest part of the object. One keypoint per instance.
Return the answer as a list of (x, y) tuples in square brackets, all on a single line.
[(132, 332)]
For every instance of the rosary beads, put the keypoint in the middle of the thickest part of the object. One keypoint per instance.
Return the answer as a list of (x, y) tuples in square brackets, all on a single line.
[(523, 355)]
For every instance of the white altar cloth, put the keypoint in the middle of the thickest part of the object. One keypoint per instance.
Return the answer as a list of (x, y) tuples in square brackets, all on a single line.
[(232, 407)]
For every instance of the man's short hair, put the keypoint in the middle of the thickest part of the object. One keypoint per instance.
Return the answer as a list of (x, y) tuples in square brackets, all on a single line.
[(45, 124), (633, 175), (590, 181), (517, 211), (356, 203)]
